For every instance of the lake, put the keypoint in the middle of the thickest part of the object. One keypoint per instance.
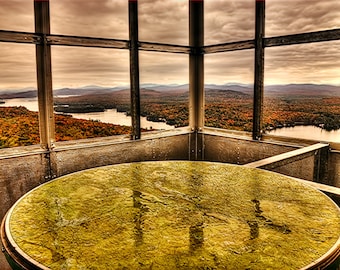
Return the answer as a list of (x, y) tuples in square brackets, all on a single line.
[(108, 116), (119, 118), (307, 132)]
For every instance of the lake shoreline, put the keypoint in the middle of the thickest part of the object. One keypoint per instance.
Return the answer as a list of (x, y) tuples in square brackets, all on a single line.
[(113, 116), (297, 124), (309, 132)]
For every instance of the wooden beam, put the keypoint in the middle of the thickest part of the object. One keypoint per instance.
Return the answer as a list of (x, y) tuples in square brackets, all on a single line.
[(286, 158)]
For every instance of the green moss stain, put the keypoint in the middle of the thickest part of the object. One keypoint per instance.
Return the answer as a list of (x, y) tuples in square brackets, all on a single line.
[(175, 214)]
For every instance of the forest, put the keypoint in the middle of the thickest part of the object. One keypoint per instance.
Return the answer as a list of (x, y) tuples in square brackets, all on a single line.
[(19, 127), (230, 109), (227, 109)]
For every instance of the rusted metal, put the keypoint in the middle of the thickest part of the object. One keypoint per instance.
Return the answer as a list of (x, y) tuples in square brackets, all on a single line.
[(134, 70), (81, 41), (230, 46), (258, 69), (162, 47), (196, 76), (87, 42), (319, 36), (44, 75), (19, 37)]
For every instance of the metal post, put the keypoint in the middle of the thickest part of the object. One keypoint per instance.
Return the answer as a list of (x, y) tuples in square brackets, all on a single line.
[(134, 70), (259, 69), (321, 158), (196, 77), (44, 75), (196, 65)]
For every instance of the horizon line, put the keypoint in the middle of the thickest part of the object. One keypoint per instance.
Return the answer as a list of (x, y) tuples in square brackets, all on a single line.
[(31, 88)]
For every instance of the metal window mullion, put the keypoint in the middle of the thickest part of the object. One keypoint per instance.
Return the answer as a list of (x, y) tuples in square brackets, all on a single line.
[(134, 70), (311, 37), (196, 65), (258, 69), (196, 78), (44, 75)]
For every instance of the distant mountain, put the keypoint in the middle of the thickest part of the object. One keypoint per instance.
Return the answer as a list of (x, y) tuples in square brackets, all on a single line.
[(17, 90), (303, 90), (247, 89), (78, 91), (166, 87), (215, 93), (23, 94), (293, 90)]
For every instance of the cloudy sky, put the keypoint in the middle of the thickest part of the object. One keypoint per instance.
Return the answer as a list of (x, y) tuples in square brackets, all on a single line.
[(167, 21)]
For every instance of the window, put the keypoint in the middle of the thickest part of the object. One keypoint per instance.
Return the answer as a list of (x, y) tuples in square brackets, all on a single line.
[(81, 74), (107, 19), (303, 91), (164, 89), (17, 15), (18, 97), (164, 21), (298, 16), (229, 90), (91, 85), (228, 21)]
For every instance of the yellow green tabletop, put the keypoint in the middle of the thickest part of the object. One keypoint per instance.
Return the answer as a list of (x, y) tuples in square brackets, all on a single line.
[(174, 215)]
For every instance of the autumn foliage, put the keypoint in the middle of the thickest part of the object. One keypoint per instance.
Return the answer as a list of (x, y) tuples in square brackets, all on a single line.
[(19, 126), (225, 109)]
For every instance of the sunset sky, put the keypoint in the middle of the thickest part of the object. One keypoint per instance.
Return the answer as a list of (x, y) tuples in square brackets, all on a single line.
[(166, 21)]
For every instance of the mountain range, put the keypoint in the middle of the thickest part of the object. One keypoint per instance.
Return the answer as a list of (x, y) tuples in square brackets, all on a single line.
[(293, 90)]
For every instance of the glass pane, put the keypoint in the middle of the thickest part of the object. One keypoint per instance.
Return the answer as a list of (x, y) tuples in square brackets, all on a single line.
[(228, 21), (17, 15), (164, 21), (164, 90), (299, 16), (229, 90), (18, 96), (302, 93), (91, 85), (108, 19)]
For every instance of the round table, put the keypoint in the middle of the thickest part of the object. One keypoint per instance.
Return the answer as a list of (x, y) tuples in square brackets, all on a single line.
[(172, 215)]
